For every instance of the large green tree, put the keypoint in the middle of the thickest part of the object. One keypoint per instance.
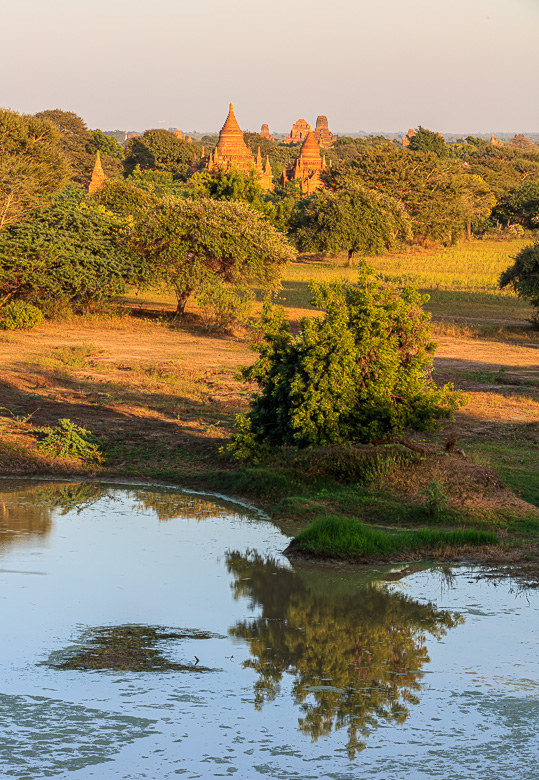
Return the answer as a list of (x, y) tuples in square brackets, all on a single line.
[(31, 167), (428, 141), (354, 220), (207, 243), (362, 372), (162, 151), (68, 252), (79, 145), (523, 277)]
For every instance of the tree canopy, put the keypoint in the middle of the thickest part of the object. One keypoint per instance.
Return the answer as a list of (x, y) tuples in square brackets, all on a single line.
[(79, 145), (523, 277), (428, 141), (191, 244), (360, 373), (68, 251), (355, 220), (160, 150), (31, 167)]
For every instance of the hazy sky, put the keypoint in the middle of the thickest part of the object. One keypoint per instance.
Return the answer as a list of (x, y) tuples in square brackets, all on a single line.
[(449, 65)]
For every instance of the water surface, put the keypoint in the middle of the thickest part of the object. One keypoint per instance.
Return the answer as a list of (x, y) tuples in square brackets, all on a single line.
[(286, 671)]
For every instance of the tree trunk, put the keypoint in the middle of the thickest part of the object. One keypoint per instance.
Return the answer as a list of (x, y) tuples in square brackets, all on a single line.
[(349, 261), (181, 299), (469, 229)]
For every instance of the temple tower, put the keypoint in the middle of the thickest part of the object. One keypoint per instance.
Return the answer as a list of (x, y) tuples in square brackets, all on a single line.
[(98, 175)]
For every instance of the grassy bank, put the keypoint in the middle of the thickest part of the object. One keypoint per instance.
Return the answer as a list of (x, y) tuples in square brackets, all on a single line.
[(161, 397)]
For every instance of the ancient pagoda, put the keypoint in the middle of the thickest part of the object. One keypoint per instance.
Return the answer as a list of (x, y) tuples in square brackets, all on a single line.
[(98, 175), (323, 135), (307, 168), (299, 132), (232, 152)]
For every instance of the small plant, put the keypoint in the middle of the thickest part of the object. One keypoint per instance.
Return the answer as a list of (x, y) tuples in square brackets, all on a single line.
[(221, 308), (68, 440), (20, 315), (436, 498)]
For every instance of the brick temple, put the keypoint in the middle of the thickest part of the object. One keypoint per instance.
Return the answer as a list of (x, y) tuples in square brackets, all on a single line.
[(307, 167), (299, 132), (232, 152), (323, 135)]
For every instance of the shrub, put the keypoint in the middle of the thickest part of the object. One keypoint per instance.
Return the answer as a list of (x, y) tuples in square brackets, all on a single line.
[(360, 373), (20, 315), (523, 277), (68, 440), (223, 307)]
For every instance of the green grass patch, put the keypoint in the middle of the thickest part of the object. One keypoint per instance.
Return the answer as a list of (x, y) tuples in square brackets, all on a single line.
[(340, 537), (516, 461)]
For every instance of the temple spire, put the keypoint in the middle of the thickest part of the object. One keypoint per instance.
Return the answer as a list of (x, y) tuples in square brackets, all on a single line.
[(98, 175)]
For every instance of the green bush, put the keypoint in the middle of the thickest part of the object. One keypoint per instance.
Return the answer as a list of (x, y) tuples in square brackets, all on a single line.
[(68, 440), (20, 315), (361, 373), (222, 307), (523, 277)]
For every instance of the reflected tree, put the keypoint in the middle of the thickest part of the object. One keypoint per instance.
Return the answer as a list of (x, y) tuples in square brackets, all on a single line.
[(355, 652)]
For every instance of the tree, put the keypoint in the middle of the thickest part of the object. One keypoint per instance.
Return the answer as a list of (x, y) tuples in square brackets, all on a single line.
[(523, 277), (77, 144), (360, 373), (354, 220), (520, 206), (428, 141), (161, 150), (105, 144), (438, 195), (208, 243), (67, 252), (31, 167)]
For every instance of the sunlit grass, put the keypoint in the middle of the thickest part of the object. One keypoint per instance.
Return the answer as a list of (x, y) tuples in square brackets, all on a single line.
[(342, 537)]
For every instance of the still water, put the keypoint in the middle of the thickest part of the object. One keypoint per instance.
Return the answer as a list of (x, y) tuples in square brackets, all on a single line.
[(276, 670)]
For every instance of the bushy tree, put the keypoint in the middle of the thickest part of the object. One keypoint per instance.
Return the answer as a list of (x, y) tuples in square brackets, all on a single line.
[(66, 252), (79, 146), (523, 277), (31, 167), (189, 245), (428, 141), (160, 150), (354, 220), (520, 206), (105, 144), (360, 373)]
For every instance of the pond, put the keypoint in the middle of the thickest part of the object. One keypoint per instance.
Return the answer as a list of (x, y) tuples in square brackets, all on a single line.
[(153, 633)]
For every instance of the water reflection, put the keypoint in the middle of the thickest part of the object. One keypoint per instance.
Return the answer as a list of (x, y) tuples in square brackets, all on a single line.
[(356, 653), (168, 505)]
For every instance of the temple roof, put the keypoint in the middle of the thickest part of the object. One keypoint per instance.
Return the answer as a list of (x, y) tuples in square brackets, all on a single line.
[(309, 150)]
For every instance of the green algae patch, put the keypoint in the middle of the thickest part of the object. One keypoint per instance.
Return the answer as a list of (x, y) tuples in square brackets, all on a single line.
[(128, 649)]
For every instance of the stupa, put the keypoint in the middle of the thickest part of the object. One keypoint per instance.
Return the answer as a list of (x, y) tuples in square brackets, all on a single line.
[(98, 175), (232, 152), (307, 167)]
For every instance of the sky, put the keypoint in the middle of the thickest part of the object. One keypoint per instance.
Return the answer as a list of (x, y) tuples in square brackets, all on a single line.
[(455, 66)]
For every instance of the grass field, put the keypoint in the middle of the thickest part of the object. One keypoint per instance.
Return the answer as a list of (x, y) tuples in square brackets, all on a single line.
[(162, 397)]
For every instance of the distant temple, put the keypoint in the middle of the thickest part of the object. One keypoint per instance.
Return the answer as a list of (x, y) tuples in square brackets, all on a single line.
[(322, 133), (265, 133), (406, 138), (98, 175), (307, 168), (299, 132), (496, 141), (232, 152)]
